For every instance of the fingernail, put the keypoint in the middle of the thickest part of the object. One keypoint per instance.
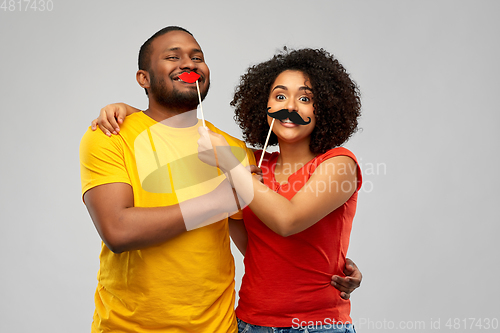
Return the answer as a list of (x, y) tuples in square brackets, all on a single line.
[(117, 129)]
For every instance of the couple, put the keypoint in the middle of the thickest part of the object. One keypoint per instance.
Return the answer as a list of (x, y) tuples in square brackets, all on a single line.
[(155, 276)]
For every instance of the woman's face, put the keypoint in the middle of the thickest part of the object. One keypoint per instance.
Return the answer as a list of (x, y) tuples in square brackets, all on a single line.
[(292, 91)]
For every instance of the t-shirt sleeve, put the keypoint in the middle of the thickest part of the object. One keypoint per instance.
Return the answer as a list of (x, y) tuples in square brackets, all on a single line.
[(250, 156), (250, 160), (101, 160), (341, 151)]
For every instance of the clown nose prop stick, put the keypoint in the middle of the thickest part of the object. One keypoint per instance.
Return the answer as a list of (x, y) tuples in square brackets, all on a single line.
[(267, 140), (201, 106), (192, 77)]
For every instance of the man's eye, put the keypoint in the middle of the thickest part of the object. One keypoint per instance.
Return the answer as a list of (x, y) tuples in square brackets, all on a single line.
[(197, 59), (172, 58)]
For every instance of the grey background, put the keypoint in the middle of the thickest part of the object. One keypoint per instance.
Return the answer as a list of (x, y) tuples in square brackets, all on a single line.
[(425, 235)]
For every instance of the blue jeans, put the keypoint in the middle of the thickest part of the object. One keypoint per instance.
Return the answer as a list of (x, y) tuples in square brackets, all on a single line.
[(326, 328)]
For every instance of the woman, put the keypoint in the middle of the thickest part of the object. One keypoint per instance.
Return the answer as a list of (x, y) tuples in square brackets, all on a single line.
[(299, 221)]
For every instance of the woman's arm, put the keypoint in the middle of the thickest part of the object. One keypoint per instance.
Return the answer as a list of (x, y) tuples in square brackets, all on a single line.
[(111, 116), (330, 186)]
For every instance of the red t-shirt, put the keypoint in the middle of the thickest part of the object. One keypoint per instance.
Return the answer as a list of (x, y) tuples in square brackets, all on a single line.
[(287, 279)]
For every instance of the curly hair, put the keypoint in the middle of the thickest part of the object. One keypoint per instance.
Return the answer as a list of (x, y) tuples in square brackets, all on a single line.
[(337, 102)]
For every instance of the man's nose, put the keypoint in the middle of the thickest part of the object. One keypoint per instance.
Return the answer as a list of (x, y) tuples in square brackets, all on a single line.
[(187, 63)]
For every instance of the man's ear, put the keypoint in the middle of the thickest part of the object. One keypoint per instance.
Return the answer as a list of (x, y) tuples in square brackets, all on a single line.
[(143, 79)]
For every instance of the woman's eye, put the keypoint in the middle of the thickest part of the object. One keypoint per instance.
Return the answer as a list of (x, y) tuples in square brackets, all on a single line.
[(304, 99), (280, 97)]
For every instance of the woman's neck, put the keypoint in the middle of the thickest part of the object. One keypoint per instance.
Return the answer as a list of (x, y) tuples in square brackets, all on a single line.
[(292, 157)]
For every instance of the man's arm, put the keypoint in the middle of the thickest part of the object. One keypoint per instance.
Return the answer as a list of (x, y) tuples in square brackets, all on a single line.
[(238, 234), (124, 227), (349, 283)]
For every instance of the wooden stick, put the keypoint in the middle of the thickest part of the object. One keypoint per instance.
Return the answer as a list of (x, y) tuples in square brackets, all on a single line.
[(201, 107), (267, 140)]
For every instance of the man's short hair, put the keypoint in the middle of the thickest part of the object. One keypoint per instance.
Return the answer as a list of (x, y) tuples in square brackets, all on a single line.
[(146, 49)]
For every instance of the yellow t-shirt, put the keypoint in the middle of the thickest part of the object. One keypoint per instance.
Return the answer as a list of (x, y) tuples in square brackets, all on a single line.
[(185, 284)]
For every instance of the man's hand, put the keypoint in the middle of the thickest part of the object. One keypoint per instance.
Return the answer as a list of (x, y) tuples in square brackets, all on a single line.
[(352, 280)]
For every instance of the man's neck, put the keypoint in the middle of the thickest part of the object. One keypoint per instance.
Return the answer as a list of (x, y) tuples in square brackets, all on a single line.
[(172, 117)]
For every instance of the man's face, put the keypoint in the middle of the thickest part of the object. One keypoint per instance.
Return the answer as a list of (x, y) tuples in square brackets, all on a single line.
[(174, 53)]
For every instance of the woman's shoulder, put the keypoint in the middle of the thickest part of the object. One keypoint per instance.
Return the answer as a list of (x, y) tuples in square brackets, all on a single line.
[(337, 151)]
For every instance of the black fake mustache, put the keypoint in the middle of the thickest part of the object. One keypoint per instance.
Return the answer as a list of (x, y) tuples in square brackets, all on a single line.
[(284, 114)]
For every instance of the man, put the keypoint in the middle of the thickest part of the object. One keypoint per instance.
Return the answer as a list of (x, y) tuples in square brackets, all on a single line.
[(154, 275)]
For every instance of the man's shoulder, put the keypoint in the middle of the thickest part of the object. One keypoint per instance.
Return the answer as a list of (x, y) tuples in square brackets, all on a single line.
[(96, 137), (135, 124)]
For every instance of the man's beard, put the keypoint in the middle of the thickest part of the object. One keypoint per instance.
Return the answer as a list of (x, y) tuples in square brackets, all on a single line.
[(174, 98)]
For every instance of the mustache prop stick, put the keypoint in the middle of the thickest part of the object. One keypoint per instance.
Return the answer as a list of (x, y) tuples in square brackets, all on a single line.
[(267, 140), (282, 114), (192, 77)]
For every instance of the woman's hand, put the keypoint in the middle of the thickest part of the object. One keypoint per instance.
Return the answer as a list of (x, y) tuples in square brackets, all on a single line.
[(214, 150), (111, 116), (257, 172)]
